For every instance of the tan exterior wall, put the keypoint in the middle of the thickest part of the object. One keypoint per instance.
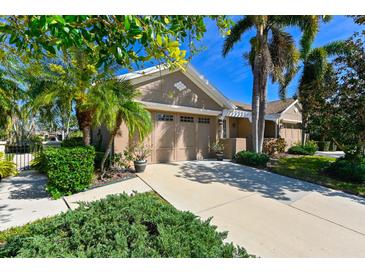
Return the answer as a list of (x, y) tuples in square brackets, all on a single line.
[(165, 90), (174, 140), (293, 113), (244, 128), (233, 145), (292, 133)]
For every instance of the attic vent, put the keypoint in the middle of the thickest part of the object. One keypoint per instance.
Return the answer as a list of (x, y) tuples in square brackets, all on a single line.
[(180, 86), (295, 110)]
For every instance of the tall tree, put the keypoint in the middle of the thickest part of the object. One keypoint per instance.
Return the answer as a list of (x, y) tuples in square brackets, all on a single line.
[(123, 39), (272, 54), (315, 66)]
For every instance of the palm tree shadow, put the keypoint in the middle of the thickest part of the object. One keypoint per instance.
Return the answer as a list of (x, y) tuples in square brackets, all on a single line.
[(269, 185), (27, 185)]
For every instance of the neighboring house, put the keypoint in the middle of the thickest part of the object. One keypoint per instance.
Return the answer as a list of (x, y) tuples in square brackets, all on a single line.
[(189, 114)]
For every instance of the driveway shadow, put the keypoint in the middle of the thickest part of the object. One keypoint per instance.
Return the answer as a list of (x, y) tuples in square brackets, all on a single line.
[(27, 185), (268, 184)]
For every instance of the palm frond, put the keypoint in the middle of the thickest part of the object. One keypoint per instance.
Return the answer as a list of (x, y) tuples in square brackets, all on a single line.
[(284, 57), (237, 30)]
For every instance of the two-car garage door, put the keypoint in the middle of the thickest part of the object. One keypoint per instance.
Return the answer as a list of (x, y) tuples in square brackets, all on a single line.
[(179, 137)]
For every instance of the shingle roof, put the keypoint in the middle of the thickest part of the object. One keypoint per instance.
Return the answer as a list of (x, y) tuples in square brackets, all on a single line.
[(272, 107)]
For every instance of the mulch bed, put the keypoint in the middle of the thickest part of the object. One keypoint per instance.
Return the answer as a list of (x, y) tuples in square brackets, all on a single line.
[(112, 176)]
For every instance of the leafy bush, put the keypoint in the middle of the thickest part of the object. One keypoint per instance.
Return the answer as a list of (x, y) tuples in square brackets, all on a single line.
[(251, 158), (69, 170), (346, 169), (121, 226), (73, 142), (298, 150), (308, 149), (272, 146), (7, 167)]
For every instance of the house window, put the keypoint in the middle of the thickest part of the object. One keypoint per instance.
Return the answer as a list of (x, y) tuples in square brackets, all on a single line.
[(165, 117), (202, 120), (187, 119)]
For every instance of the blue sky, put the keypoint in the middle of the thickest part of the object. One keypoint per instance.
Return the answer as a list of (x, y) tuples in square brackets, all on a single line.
[(232, 75)]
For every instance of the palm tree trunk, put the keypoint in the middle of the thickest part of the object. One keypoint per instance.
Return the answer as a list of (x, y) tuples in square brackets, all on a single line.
[(261, 121), (261, 73), (112, 135), (255, 110), (84, 119)]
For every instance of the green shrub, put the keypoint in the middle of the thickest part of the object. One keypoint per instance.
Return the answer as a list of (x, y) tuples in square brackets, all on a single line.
[(69, 170), (251, 158), (323, 145), (73, 142), (348, 170), (308, 149), (7, 167), (121, 226), (298, 150), (271, 146)]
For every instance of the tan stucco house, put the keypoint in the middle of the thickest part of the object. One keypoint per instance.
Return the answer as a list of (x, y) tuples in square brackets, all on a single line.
[(189, 114)]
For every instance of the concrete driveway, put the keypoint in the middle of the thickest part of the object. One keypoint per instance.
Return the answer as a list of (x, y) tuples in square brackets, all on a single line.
[(268, 214)]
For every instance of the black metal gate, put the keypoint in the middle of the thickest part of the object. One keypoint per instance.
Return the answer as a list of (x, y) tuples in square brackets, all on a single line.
[(22, 153)]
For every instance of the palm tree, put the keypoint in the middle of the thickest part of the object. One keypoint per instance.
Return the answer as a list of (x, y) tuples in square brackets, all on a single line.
[(315, 66), (118, 106), (10, 93), (73, 79), (272, 54)]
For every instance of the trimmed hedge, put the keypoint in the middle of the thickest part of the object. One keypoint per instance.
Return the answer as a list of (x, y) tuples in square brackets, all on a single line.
[(73, 142), (141, 226), (251, 158), (308, 149), (69, 170), (348, 170)]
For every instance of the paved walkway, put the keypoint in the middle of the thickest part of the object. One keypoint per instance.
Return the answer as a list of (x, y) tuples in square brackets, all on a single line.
[(23, 198), (268, 214)]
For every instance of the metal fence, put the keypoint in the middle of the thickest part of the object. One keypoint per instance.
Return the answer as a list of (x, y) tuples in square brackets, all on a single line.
[(22, 153)]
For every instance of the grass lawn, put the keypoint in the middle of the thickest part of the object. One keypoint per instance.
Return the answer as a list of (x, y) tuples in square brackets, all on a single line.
[(310, 168), (121, 226)]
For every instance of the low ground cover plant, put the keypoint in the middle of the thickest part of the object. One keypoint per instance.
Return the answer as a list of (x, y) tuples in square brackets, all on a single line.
[(121, 226), (251, 158), (69, 170)]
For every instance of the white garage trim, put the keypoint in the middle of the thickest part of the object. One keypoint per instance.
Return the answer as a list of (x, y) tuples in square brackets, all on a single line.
[(182, 109)]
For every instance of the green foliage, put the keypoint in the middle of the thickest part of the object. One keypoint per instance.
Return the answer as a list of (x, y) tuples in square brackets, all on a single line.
[(348, 169), (323, 145), (117, 37), (308, 149), (272, 146), (314, 169), (121, 226), (73, 142), (7, 167), (77, 133), (69, 170), (251, 158)]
